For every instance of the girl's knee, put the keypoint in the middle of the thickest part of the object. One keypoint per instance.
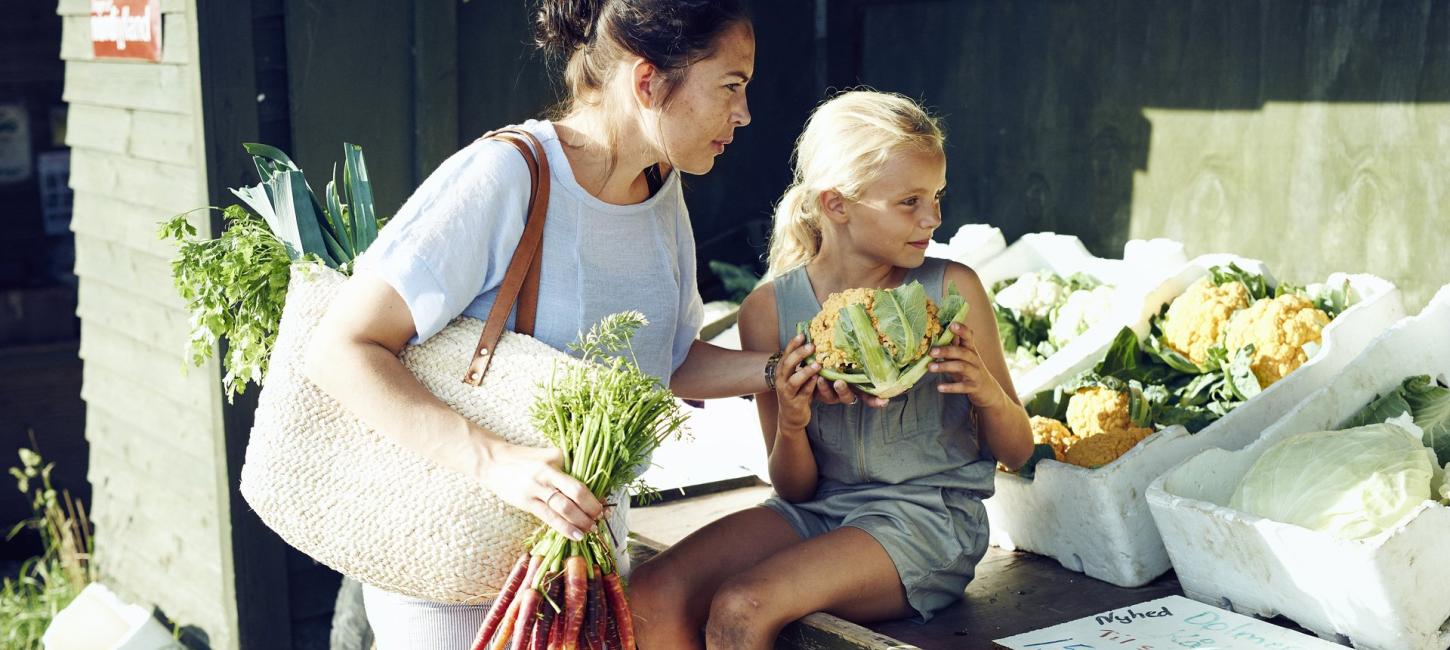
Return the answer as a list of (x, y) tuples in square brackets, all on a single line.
[(741, 613)]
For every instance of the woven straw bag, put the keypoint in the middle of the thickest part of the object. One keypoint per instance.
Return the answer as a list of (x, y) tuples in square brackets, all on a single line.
[(360, 503)]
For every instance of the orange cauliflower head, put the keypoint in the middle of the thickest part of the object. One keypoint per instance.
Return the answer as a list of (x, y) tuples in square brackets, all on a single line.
[(1105, 448), (1279, 329), (823, 328), (1197, 319), (1048, 431)]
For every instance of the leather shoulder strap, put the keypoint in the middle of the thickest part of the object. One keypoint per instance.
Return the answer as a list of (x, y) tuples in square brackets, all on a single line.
[(521, 280)]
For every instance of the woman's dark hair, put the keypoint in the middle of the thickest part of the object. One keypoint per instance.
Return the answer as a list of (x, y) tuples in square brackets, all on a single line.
[(593, 35)]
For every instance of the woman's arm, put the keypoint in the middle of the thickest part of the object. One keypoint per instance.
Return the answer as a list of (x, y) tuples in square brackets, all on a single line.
[(357, 364), (979, 370), (784, 411)]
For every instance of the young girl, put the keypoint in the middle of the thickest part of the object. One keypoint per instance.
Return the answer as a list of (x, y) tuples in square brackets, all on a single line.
[(878, 511)]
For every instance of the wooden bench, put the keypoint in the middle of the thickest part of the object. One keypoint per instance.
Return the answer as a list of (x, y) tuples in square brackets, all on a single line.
[(1012, 593)]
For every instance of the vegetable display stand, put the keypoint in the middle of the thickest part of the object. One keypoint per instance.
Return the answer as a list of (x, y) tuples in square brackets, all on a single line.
[(1096, 521), (1065, 255), (1389, 591), (973, 244)]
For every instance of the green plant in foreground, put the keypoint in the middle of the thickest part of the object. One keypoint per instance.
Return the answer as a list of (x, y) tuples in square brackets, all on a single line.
[(47, 583)]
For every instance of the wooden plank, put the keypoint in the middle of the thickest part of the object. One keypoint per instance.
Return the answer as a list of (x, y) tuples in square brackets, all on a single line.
[(147, 135), (129, 225), (75, 42), (164, 137), (229, 52), (159, 326), (160, 368), (144, 274), (83, 7), (170, 188), (117, 394), (155, 452), (98, 128), (164, 88), (435, 84)]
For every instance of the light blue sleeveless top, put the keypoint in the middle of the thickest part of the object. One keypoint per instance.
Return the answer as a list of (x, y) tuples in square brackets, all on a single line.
[(920, 438)]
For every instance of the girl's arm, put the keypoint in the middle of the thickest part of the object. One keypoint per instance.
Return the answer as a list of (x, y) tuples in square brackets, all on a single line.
[(357, 364), (979, 370), (785, 411)]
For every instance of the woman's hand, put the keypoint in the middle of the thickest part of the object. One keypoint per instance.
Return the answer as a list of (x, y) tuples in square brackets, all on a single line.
[(794, 386), (963, 365), (840, 392), (531, 479)]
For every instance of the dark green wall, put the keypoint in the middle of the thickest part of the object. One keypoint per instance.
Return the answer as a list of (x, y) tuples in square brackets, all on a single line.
[(1314, 135)]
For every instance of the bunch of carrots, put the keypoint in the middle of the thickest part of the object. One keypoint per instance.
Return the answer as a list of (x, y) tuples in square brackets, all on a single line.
[(607, 417)]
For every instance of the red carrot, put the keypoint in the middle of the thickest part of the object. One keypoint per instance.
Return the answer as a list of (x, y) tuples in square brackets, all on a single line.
[(553, 585), (556, 634), (611, 633), (524, 633), (509, 618), (576, 590), (502, 602), (528, 605), (595, 614), (619, 606)]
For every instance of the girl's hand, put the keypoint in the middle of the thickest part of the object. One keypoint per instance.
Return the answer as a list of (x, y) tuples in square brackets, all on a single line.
[(794, 386), (840, 392), (962, 364), (531, 479)]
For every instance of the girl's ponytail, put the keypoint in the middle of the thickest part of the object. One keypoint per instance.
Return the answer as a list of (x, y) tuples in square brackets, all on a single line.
[(796, 237)]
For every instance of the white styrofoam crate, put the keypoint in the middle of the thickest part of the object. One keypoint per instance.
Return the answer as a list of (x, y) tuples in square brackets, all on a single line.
[(1096, 521), (1391, 591), (973, 245), (1066, 255)]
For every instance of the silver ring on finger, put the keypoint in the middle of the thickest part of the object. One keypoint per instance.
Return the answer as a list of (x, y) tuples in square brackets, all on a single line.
[(549, 500)]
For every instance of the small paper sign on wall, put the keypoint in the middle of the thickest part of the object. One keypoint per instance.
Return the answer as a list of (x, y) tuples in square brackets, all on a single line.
[(126, 29), (1173, 622)]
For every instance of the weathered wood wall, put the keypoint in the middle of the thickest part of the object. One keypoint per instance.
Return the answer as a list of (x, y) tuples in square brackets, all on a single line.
[(160, 509), (1313, 135)]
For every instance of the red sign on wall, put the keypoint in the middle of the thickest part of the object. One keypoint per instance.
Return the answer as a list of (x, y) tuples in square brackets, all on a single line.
[(126, 29)]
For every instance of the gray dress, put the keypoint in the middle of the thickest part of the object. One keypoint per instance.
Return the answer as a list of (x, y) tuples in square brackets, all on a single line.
[(912, 474)]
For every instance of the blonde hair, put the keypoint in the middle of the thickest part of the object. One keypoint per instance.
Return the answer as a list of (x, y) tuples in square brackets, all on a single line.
[(845, 143)]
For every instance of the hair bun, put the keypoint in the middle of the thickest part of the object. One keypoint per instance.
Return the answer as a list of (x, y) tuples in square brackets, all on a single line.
[(563, 26)]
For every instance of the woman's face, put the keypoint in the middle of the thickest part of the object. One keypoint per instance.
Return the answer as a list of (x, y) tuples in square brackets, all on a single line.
[(893, 219), (709, 104)]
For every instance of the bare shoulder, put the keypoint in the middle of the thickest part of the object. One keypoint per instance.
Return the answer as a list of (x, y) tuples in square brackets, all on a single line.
[(758, 319), (966, 279)]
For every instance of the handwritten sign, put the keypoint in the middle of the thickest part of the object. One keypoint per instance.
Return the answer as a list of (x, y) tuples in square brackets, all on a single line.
[(126, 29), (1171, 623)]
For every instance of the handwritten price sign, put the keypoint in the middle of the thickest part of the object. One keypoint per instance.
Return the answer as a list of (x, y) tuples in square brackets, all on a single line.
[(1171, 623)]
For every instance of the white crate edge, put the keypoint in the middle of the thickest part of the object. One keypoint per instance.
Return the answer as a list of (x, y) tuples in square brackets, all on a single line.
[(1096, 521), (1066, 255), (973, 244), (1388, 592)]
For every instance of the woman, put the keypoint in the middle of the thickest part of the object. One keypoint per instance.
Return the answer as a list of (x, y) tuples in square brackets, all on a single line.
[(656, 88)]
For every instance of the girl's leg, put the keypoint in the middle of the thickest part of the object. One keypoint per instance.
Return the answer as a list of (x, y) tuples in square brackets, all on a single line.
[(670, 594), (844, 572)]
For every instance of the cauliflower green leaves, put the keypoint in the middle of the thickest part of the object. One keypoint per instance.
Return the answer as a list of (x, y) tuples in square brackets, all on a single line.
[(877, 339)]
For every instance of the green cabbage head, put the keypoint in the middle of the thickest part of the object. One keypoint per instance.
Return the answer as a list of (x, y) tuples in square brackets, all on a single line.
[(1352, 483)]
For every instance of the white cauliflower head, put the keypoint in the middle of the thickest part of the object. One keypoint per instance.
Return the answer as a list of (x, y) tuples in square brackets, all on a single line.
[(1033, 295), (1080, 312)]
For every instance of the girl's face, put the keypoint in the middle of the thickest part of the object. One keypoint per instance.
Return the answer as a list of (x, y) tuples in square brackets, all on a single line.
[(709, 104), (893, 219)]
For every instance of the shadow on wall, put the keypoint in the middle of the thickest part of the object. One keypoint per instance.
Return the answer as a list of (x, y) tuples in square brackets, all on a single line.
[(1310, 135)]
